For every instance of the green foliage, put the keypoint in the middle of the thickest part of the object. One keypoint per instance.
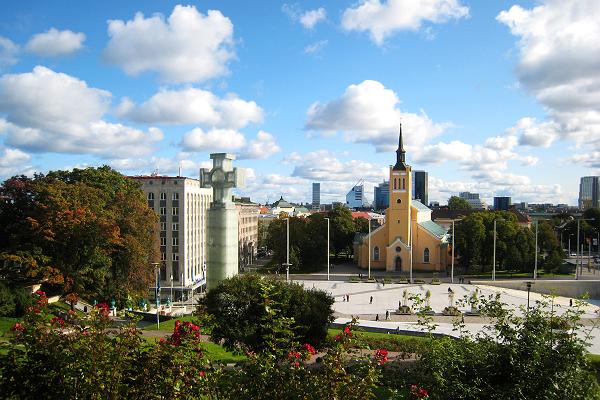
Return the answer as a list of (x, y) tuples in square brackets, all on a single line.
[(13, 301), (458, 203), (237, 311), (89, 231)]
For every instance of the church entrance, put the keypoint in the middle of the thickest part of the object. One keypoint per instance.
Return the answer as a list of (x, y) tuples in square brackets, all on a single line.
[(398, 263)]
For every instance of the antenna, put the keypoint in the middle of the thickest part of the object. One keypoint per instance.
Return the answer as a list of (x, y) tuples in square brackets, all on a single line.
[(179, 174)]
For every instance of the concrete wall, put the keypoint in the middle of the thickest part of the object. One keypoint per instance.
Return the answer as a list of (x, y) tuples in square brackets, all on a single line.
[(568, 288)]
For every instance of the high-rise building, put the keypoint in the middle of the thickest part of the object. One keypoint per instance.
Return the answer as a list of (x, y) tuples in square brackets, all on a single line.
[(420, 187), (181, 205), (382, 195), (247, 230), (356, 197), (589, 192), (316, 195), (502, 203), (474, 200)]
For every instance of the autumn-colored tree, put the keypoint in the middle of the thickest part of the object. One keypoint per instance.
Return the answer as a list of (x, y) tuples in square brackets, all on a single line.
[(91, 227)]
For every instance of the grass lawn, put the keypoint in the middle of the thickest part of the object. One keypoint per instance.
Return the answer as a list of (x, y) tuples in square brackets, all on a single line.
[(169, 325), (6, 323), (402, 343), (64, 307), (214, 352)]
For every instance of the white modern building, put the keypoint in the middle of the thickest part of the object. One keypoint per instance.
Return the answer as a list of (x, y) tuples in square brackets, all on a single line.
[(474, 200), (356, 197), (181, 205)]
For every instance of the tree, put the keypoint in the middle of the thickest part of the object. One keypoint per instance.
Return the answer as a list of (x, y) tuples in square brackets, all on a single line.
[(342, 230), (88, 230), (458, 203), (237, 313)]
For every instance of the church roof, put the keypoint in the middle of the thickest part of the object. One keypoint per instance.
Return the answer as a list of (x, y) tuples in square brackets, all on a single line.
[(420, 206), (433, 228), (400, 154), (281, 203)]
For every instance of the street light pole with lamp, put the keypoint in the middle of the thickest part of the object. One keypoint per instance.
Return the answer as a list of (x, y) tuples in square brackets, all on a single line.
[(369, 243), (287, 258), (536, 250), (494, 253), (579, 250), (327, 248)]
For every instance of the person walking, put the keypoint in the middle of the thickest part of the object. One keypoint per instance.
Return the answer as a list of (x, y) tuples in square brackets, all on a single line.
[(387, 315), (376, 317), (371, 300)]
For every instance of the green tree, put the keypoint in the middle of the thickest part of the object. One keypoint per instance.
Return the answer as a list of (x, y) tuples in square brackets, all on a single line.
[(342, 230), (237, 313), (458, 203)]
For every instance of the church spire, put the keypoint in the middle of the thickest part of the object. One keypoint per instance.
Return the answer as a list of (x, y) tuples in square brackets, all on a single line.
[(400, 154)]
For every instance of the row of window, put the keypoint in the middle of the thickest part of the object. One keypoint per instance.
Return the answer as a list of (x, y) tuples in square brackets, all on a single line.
[(174, 211), (174, 226), (163, 257), (376, 254), (163, 196), (175, 241), (397, 184)]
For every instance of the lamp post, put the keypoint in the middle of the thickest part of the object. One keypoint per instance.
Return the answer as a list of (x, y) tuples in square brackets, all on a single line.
[(287, 259), (580, 250), (528, 290), (452, 268), (536, 251), (369, 243), (157, 266), (327, 248), (569, 255), (494, 253)]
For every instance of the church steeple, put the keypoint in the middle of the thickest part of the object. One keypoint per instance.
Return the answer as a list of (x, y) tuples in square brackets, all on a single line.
[(400, 154)]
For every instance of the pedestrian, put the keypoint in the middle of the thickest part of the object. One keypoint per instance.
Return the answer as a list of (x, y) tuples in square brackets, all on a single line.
[(344, 298), (371, 300), (85, 309), (570, 302), (348, 298), (376, 317), (387, 315)]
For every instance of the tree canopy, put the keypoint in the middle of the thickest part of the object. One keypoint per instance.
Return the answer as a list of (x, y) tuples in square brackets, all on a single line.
[(88, 231), (458, 203)]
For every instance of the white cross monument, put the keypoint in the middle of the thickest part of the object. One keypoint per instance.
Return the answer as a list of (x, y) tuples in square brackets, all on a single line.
[(222, 227)]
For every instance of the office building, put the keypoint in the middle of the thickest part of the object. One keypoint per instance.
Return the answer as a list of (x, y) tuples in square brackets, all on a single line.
[(316, 195), (181, 205), (247, 230), (589, 192), (420, 187), (502, 203), (474, 200), (382, 195), (356, 197)]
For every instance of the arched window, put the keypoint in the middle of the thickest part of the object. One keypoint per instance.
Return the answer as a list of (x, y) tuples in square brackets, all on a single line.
[(150, 196), (403, 186), (395, 184), (426, 255), (376, 253)]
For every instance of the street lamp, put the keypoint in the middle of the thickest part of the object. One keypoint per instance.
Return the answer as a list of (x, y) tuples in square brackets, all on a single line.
[(579, 251), (369, 243), (569, 255), (494, 254), (452, 268), (536, 250), (327, 248), (287, 259), (528, 290)]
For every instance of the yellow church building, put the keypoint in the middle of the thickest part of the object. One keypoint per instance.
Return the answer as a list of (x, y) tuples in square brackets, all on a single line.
[(407, 224)]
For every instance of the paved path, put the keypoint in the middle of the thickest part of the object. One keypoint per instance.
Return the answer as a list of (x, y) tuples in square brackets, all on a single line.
[(386, 298)]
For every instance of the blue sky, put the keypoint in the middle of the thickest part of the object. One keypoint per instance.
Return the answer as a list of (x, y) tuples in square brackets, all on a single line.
[(496, 97)]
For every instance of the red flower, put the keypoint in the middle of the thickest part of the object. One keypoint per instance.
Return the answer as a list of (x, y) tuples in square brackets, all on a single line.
[(296, 364), (202, 374), (310, 349), (58, 321), (347, 331), (418, 392), (17, 327), (40, 293), (337, 338), (162, 340), (104, 309), (381, 356), (293, 354)]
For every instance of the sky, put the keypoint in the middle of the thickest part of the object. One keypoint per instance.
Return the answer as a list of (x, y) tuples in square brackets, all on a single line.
[(501, 98)]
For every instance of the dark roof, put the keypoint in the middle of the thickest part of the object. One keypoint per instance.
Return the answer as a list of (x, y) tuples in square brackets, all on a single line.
[(281, 203), (446, 213), (400, 154)]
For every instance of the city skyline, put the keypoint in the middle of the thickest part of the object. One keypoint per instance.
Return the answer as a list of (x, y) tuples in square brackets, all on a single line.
[(497, 98)]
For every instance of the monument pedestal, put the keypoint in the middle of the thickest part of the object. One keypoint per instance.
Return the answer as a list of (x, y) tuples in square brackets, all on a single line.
[(222, 248)]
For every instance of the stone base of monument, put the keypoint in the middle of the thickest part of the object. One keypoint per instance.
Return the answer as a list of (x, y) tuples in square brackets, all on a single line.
[(403, 310), (451, 311), (222, 255), (473, 312)]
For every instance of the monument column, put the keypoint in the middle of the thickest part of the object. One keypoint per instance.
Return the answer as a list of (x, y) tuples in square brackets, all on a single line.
[(222, 226)]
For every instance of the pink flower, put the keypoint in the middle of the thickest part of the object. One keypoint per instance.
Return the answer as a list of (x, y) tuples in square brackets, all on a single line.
[(17, 327), (202, 374), (381, 356), (347, 331)]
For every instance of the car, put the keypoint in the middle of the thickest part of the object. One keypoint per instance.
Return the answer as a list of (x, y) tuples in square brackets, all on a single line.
[(573, 254)]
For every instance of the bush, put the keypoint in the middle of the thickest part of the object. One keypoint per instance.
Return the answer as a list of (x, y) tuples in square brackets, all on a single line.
[(7, 302), (236, 309)]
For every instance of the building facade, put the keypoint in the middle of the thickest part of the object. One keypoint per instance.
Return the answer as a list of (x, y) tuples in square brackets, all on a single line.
[(382, 195), (589, 192), (408, 236), (356, 197), (247, 230), (181, 205), (316, 195), (474, 200), (502, 203), (420, 187)]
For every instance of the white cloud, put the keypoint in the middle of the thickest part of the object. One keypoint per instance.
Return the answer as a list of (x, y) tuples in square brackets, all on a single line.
[(590, 160), (381, 19), (187, 47), (368, 113), (169, 166), (315, 47), (262, 147), (324, 166), (213, 140), (48, 111), (558, 46), (193, 106), (55, 43), (532, 133), (312, 17), (8, 52), (14, 162)]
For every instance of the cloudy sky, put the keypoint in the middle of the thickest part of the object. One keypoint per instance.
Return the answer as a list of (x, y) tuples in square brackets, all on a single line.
[(496, 97)]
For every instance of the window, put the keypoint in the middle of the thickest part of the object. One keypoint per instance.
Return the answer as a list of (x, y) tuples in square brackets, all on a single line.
[(163, 211), (176, 270), (175, 211), (163, 196), (376, 253), (150, 196), (398, 249), (175, 227), (163, 241), (395, 184), (426, 255), (175, 257), (163, 226), (163, 256), (403, 186), (175, 196), (175, 241)]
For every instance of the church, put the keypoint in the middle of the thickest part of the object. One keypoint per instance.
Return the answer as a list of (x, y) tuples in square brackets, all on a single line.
[(407, 224)]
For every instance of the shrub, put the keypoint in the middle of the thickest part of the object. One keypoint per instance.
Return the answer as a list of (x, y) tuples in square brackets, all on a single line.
[(7, 302)]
